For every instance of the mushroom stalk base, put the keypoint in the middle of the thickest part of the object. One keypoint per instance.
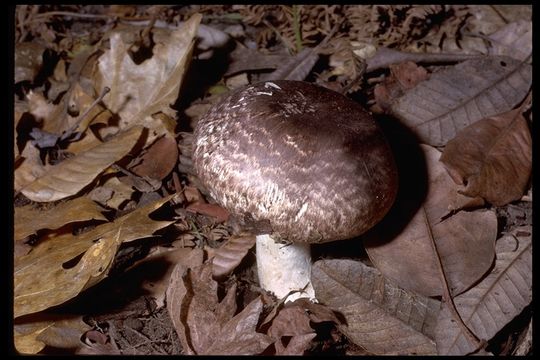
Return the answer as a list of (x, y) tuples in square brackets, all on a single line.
[(284, 268)]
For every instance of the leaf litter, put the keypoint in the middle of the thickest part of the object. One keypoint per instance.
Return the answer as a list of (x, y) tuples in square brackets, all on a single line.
[(200, 272)]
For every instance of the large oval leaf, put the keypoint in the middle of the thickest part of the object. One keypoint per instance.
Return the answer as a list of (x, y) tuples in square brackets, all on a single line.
[(490, 305), (436, 109), (73, 174), (380, 317)]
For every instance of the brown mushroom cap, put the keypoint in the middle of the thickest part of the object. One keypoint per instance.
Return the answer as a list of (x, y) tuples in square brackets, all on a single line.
[(308, 160)]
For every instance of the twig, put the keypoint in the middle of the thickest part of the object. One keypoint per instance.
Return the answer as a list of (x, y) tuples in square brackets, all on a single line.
[(81, 118), (447, 297)]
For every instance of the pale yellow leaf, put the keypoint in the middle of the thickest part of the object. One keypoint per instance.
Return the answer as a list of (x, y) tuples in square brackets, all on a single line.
[(73, 174), (28, 219), (43, 278)]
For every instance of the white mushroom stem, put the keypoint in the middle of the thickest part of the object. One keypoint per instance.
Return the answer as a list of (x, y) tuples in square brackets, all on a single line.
[(283, 268)]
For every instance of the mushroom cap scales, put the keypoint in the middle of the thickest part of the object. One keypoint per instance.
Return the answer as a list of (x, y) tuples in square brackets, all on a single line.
[(308, 160)]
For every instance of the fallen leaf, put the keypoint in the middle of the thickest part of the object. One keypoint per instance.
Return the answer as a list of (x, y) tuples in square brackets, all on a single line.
[(291, 321), (158, 160), (140, 91), (33, 333), (513, 39), (403, 76), (213, 210), (28, 219), (47, 277), (206, 326), (112, 193), (72, 175), (246, 59), (465, 241), (230, 255), (492, 158), (31, 167), (436, 109), (380, 317), (28, 60), (495, 301)]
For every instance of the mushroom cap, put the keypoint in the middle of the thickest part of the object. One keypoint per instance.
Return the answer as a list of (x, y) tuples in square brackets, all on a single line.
[(308, 160)]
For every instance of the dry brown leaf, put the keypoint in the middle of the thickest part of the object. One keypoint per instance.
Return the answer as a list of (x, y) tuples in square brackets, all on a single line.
[(514, 40), (213, 210), (63, 331), (31, 167), (175, 294), (47, 276), (317, 312), (28, 219), (140, 91), (230, 255), (154, 271), (73, 174), (28, 60), (496, 300), (380, 317), (403, 76), (492, 158), (113, 193), (158, 160), (465, 241), (206, 326), (291, 321), (436, 109), (246, 59)]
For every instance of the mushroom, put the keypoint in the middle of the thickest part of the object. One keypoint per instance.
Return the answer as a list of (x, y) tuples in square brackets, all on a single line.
[(306, 161)]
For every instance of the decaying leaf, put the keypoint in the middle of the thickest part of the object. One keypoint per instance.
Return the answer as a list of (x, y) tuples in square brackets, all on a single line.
[(380, 317), (28, 60), (514, 40), (213, 210), (230, 254), (497, 299), (62, 331), (28, 219), (291, 321), (158, 160), (73, 174), (139, 91), (492, 158), (31, 167), (403, 76), (112, 193), (47, 276), (465, 241), (436, 109), (206, 326)]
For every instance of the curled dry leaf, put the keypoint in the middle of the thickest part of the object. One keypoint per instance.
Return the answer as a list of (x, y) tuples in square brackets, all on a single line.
[(140, 91), (47, 276), (230, 254), (206, 326), (465, 241), (436, 109), (73, 174), (497, 299), (492, 158), (380, 317), (291, 321), (112, 193), (28, 219)]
